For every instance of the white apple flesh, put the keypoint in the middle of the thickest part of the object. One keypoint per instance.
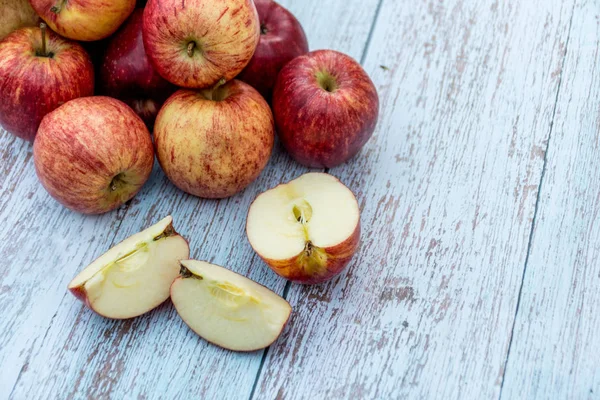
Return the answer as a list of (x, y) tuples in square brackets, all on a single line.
[(227, 309), (133, 277), (306, 230)]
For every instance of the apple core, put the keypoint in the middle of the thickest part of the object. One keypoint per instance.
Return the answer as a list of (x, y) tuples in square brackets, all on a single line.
[(305, 230)]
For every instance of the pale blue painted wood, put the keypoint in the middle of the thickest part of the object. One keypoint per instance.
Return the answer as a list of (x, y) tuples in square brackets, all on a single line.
[(447, 188), (73, 353), (556, 343), (41, 244)]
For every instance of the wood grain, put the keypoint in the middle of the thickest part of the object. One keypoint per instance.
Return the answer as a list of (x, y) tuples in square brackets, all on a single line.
[(447, 189), (74, 353), (41, 244), (554, 353)]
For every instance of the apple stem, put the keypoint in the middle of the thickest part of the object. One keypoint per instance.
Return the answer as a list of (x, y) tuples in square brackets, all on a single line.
[(57, 7), (212, 94), (190, 49), (43, 29), (220, 83)]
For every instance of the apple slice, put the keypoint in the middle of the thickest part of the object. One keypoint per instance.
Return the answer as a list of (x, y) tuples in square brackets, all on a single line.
[(133, 277), (227, 309), (306, 230)]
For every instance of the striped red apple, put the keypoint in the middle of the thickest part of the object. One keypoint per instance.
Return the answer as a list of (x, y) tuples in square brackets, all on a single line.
[(213, 143), (39, 71), (93, 154), (196, 43), (325, 107)]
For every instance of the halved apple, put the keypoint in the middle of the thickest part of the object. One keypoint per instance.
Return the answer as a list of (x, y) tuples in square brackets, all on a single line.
[(133, 277), (306, 230), (227, 309)]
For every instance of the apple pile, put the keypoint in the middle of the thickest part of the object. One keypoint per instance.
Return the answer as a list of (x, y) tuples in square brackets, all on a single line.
[(102, 88)]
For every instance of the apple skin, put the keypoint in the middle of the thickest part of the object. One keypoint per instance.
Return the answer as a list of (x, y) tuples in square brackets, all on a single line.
[(336, 259), (196, 43), (85, 20), (210, 148), (126, 72), (16, 14), (282, 39), (80, 294), (93, 154), (325, 107), (31, 86)]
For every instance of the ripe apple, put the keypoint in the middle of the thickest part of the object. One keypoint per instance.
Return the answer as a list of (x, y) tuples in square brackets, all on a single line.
[(325, 107), (135, 276), (16, 14), (126, 72), (214, 142), (306, 230), (196, 43), (93, 154), (228, 309), (281, 40), (85, 20), (39, 71)]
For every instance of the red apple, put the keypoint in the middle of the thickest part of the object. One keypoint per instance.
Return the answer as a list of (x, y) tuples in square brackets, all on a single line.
[(214, 142), (85, 20), (37, 75), (93, 154), (325, 107), (126, 72), (281, 40), (196, 43)]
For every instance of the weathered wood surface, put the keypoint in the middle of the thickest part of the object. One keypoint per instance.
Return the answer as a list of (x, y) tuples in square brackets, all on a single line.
[(448, 188), (555, 352), (40, 246), (60, 349)]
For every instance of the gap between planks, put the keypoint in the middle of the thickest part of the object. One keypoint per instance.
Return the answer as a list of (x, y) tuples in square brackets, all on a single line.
[(288, 284), (537, 201)]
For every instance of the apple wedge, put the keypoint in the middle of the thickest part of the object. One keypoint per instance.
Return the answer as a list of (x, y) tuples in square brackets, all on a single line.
[(227, 309), (133, 277), (306, 230)]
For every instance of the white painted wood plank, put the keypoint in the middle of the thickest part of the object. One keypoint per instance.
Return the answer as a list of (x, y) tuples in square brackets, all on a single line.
[(556, 343), (447, 189), (36, 253), (157, 356)]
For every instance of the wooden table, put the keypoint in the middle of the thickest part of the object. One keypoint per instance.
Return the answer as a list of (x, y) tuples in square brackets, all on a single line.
[(478, 274)]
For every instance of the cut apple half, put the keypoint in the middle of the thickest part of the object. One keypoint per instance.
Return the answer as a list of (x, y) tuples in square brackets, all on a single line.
[(227, 309), (133, 277), (306, 230)]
